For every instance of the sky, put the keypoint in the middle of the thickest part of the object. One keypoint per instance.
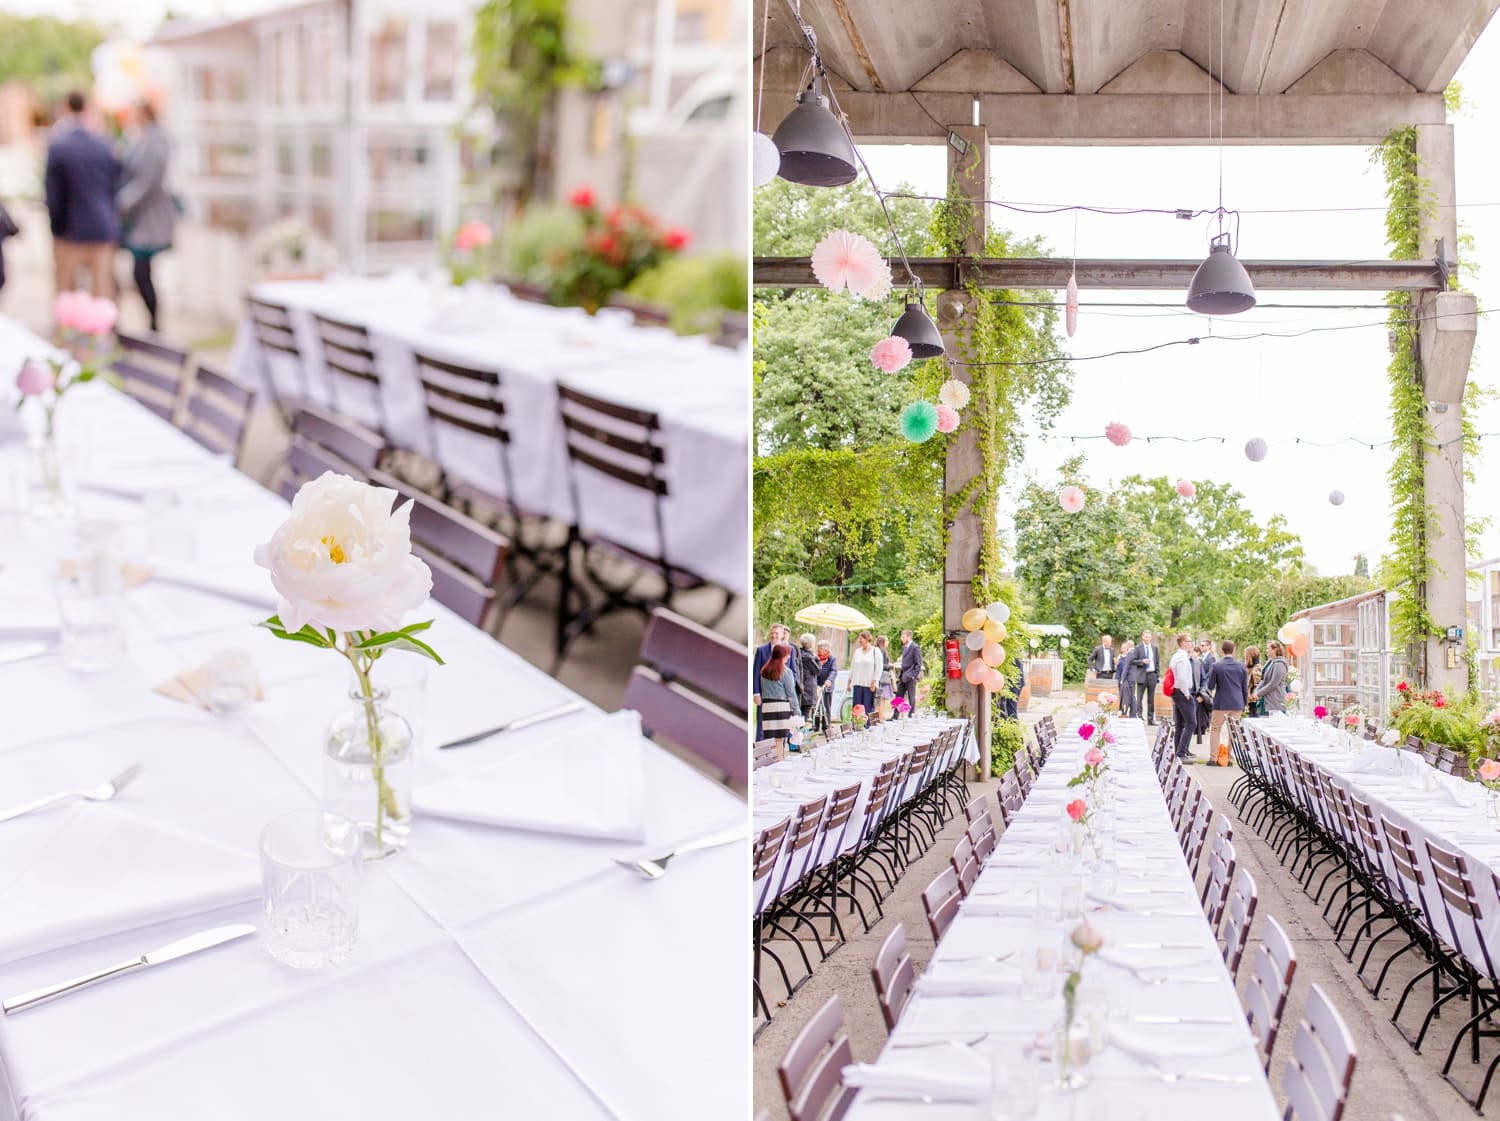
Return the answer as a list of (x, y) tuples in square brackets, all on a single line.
[(1321, 387)]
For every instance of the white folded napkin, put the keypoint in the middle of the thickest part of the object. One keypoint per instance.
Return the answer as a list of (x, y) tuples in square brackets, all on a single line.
[(1180, 1041), (950, 980), (107, 870), (967, 1086), (258, 593), (588, 782)]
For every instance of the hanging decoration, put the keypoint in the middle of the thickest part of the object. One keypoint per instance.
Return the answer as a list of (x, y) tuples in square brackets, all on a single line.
[(994, 631), (919, 421), (998, 612), (1255, 450), (1185, 488), (975, 640), (891, 354), (974, 618), (765, 159), (947, 419), (1336, 498), (994, 681), (1070, 311), (846, 260), (993, 654), (1071, 499), (975, 671), (1117, 434), (954, 394)]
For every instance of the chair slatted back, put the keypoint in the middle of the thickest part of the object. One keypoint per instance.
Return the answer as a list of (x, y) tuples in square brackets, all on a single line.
[(151, 372), (1317, 1078), (981, 834), (685, 651), (940, 899), (637, 456), (836, 822), (979, 804), (763, 855), (686, 719), (1221, 865), (470, 399), (218, 412), (812, 1072), (353, 443), (1237, 919), (347, 353), (765, 753), (894, 976), (734, 329), (1430, 753), (1271, 973), (526, 290)]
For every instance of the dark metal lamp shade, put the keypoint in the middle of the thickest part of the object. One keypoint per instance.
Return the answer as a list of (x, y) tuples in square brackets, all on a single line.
[(920, 332), (1221, 286), (815, 149)]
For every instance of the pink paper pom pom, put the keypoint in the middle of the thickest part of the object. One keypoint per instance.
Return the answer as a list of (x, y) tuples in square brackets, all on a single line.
[(1117, 434), (947, 419), (891, 354), (844, 260), (1070, 309), (1070, 499), (1186, 489)]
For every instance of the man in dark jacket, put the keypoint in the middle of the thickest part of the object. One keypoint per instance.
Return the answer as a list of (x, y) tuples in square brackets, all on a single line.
[(779, 633), (81, 180), (1143, 673), (1229, 684), (912, 668)]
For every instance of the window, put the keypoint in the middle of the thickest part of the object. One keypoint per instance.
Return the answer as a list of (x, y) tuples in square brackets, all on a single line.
[(228, 161), (388, 61), (400, 225), (320, 159), (394, 161), (286, 159), (441, 62), (231, 214)]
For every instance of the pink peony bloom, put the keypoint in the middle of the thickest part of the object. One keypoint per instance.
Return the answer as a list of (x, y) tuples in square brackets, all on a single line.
[(1186, 489), (1070, 499), (891, 354), (947, 419), (1109, 737), (96, 316), (1489, 770), (67, 307), (1093, 757), (1085, 731), (1117, 434), (1076, 809), (1320, 711), (472, 235), (35, 378)]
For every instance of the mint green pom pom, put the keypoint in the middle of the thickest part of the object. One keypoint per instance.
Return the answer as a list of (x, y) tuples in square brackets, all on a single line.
[(919, 421)]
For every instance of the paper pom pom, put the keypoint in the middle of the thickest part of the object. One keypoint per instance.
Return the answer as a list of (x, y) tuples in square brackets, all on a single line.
[(1070, 499), (947, 419), (1070, 313), (1255, 450), (1186, 488), (954, 394), (993, 631), (994, 680), (765, 158), (1062, 643), (993, 654), (1336, 498), (975, 671), (975, 640), (891, 354), (919, 421), (1296, 686), (974, 618), (1117, 434), (844, 260), (999, 611)]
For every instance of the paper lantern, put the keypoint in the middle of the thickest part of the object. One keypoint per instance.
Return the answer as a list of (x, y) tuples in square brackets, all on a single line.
[(1335, 498), (974, 618), (1070, 310), (1035, 642), (845, 260), (1255, 450), (1296, 686), (1071, 499), (1186, 489), (1117, 434), (998, 611), (975, 671), (947, 419), (975, 640), (765, 158), (1062, 643), (993, 654), (954, 394), (890, 354), (993, 631), (919, 421), (994, 680)]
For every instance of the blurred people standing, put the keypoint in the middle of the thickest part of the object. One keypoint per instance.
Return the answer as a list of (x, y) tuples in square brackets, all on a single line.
[(148, 213), (81, 179)]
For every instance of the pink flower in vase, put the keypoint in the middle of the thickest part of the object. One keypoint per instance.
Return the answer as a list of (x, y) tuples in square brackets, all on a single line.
[(68, 307), (1093, 757), (1076, 809), (1085, 731), (1320, 711), (1489, 770), (97, 317), (35, 379), (1109, 737), (471, 236)]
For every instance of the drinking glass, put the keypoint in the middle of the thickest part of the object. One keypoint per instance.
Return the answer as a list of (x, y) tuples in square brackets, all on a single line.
[(91, 617), (231, 680), (1039, 970), (309, 866), (169, 527), (1015, 1084)]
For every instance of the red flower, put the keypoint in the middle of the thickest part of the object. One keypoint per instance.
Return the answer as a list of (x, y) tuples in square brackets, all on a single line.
[(606, 244), (1402, 687), (583, 198), (1076, 809), (1320, 712), (1440, 701), (676, 238)]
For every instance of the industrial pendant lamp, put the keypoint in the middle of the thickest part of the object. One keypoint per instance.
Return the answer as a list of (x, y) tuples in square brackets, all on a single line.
[(815, 149), (1221, 286), (920, 332)]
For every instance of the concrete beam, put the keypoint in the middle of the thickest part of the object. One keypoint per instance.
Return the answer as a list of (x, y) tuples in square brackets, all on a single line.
[(1052, 273)]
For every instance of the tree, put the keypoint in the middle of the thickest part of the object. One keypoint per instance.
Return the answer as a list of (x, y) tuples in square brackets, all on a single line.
[(1362, 565), (1270, 601), (49, 55)]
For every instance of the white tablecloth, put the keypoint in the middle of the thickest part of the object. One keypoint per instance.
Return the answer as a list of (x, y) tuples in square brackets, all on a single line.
[(499, 972), (700, 391), (999, 918)]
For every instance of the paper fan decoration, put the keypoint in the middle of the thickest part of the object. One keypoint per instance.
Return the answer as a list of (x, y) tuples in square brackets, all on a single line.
[(1070, 499), (919, 421), (947, 419), (844, 260), (1336, 498), (1186, 488), (1070, 316), (1117, 434), (1255, 450), (954, 394), (891, 354)]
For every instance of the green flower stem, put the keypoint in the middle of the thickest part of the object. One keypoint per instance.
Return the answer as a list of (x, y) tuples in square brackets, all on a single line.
[(385, 797)]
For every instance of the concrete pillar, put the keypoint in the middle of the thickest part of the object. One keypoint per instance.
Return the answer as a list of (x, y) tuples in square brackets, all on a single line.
[(968, 176)]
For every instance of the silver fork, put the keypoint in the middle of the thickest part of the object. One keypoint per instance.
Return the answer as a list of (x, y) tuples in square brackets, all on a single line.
[(655, 867), (103, 792)]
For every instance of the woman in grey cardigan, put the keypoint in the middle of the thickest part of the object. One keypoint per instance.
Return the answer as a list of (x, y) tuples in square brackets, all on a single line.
[(1272, 689), (148, 213)]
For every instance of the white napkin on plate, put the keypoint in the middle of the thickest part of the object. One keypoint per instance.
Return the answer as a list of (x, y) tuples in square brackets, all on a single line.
[(590, 784), (106, 870), (945, 1085)]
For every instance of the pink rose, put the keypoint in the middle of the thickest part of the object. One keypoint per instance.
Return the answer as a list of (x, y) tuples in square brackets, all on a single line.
[(472, 235), (1109, 737), (1093, 757), (1489, 770), (1087, 937), (1085, 731), (891, 354), (1320, 711), (1076, 809), (67, 307), (96, 316), (35, 378)]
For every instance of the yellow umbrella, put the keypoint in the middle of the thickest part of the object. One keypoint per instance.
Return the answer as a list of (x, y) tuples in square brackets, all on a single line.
[(834, 615)]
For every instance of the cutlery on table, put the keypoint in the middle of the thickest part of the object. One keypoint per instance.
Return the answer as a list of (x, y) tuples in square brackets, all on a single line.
[(1158, 1071), (1222, 1020), (103, 792), (517, 724), (654, 868), (192, 944), (1153, 978)]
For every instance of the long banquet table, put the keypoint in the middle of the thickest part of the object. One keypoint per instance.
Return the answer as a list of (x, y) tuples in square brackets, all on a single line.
[(499, 972), (966, 1005), (700, 392)]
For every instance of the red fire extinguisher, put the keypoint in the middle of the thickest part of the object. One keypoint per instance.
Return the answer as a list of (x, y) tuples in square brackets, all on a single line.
[(952, 658)]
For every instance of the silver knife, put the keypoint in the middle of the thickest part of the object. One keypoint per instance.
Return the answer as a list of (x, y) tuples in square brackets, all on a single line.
[(517, 724), (1181, 1020), (192, 944)]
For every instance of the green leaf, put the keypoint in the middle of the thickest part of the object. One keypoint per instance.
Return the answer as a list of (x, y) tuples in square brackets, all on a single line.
[(390, 636), (416, 646), (306, 634)]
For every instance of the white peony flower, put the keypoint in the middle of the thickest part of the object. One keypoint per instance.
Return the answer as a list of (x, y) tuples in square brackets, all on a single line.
[(1087, 937), (954, 394), (1390, 737), (343, 559)]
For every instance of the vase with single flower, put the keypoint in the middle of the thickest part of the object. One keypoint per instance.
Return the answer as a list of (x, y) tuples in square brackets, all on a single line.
[(49, 497), (367, 770)]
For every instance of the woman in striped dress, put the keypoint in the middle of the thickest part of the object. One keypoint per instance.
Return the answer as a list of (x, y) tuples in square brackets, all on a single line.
[(780, 708)]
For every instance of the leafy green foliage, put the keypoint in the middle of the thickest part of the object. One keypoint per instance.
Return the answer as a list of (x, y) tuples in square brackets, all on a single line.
[(1268, 602), (1006, 739), (1455, 723), (782, 598), (698, 289), (49, 55), (371, 646)]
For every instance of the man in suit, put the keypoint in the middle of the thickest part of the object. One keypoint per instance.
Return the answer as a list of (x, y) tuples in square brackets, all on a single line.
[(779, 635), (1102, 660), (911, 669), (1123, 690), (1230, 685), (1144, 673), (81, 180)]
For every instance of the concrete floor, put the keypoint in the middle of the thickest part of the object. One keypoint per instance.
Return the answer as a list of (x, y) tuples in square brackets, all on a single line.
[(1389, 1079)]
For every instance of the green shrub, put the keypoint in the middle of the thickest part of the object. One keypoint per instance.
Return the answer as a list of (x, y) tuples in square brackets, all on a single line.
[(697, 289), (1006, 738), (782, 598), (1456, 723)]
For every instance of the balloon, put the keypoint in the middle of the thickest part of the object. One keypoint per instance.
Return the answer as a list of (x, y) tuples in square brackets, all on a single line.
[(994, 631), (998, 611), (994, 680), (975, 640), (1255, 450), (765, 157), (974, 618), (974, 672), (993, 654), (1296, 686), (1285, 633), (1336, 497), (1035, 642)]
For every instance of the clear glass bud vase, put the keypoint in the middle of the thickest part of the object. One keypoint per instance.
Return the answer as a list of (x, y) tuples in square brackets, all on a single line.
[(49, 499), (367, 771)]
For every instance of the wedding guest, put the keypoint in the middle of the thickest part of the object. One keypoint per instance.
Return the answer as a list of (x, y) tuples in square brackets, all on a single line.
[(779, 706), (81, 177), (864, 672), (828, 672), (1127, 703), (884, 676), (1102, 660), (1145, 672), (1181, 667), (1229, 684), (778, 633), (1253, 670), (1203, 701), (1010, 696), (807, 675), (148, 214), (911, 670), (1272, 689)]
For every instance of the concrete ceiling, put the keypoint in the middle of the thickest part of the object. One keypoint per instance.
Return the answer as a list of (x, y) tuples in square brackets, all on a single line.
[(1136, 46)]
